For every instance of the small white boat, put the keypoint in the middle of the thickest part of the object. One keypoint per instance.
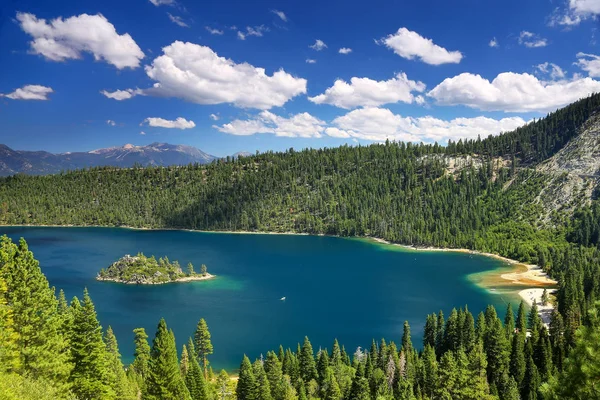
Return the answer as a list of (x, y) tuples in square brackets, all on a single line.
[(282, 299)]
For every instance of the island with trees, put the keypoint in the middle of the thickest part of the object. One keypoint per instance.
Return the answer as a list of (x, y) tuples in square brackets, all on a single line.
[(142, 270)]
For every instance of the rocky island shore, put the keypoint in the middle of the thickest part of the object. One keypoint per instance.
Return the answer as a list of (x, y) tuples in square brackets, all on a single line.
[(142, 270)]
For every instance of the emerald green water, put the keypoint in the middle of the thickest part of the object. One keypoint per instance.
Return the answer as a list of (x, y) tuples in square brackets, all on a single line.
[(348, 289)]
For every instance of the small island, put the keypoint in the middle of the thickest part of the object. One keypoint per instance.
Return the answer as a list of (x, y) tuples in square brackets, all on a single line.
[(142, 270)]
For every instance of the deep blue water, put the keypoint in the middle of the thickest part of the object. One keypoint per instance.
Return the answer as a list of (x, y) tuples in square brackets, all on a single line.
[(348, 289)]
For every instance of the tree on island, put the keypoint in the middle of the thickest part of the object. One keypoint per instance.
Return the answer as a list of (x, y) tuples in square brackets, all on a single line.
[(190, 269), (203, 270), (203, 344)]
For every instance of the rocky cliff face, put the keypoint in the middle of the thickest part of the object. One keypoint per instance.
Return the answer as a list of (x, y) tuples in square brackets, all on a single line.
[(574, 172)]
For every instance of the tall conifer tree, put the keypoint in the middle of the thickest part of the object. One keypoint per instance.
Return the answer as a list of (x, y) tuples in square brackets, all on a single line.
[(164, 380)]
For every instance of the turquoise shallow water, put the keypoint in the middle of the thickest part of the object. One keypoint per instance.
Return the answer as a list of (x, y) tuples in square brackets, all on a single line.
[(346, 288)]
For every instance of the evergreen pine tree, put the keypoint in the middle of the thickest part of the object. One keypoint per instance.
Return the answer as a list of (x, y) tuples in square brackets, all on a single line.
[(194, 381), (203, 344), (184, 363), (123, 388), (521, 320), (332, 391), (406, 340), (480, 327), (509, 321), (164, 381), (272, 368), (430, 372), (579, 379), (263, 388), (439, 340), (9, 338), (508, 388), (308, 369), (517, 359), (468, 332), (477, 370), (531, 381), (246, 386), (336, 354), (447, 376), (497, 347), (37, 324), (91, 377), (142, 353), (430, 330)]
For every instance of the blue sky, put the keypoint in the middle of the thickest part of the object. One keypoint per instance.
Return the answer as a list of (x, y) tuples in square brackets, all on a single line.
[(227, 76)]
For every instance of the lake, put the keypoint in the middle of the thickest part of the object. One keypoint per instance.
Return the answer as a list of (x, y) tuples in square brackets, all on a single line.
[(350, 289)]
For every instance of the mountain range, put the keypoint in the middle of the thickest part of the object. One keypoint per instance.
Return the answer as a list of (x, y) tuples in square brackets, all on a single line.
[(42, 162)]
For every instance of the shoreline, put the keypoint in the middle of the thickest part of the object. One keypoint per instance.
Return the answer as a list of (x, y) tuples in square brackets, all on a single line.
[(532, 276), (178, 280)]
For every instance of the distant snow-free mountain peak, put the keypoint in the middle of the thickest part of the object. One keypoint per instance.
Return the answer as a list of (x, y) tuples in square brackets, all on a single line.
[(159, 154)]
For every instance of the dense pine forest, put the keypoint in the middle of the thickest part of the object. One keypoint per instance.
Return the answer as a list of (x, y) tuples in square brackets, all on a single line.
[(400, 192)]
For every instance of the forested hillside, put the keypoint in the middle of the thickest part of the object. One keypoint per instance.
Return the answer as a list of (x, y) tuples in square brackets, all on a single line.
[(400, 192)]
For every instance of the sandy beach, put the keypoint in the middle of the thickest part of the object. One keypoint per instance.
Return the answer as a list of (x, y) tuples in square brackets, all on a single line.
[(535, 295), (528, 275)]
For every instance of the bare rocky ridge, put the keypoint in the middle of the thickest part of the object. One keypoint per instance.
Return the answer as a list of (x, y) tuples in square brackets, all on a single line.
[(573, 173)]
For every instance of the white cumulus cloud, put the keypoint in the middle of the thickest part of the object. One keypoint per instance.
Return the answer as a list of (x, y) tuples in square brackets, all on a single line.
[(122, 94), (575, 12), (589, 63), (552, 70), (311, 61), (319, 45), (62, 39), (380, 124), (197, 74), (345, 50), (371, 123), (493, 43), (411, 45), (532, 40), (361, 92), (179, 123), (512, 92), (29, 92), (298, 125), (111, 122), (214, 117)]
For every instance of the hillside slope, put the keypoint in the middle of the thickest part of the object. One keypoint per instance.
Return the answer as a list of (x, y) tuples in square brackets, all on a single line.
[(573, 174)]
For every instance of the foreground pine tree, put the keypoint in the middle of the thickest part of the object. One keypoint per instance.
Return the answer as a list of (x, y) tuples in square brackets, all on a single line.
[(36, 323), (247, 385), (91, 377), (581, 377), (164, 381), (121, 385), (203, 344), (194, 381)]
